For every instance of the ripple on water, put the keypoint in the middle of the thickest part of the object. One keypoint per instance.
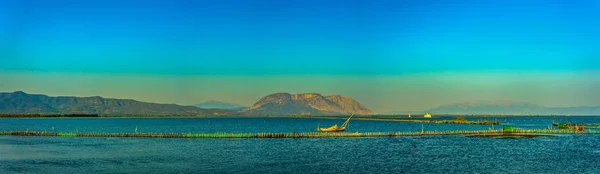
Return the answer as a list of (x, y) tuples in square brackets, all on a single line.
[(428, 154)]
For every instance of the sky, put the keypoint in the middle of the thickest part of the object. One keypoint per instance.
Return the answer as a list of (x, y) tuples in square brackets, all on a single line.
[(389, 55)]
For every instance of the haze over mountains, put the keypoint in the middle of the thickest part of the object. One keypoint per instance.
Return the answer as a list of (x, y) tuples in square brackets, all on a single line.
[(211, 104), (509, 108), (22, 103), (278, 104)]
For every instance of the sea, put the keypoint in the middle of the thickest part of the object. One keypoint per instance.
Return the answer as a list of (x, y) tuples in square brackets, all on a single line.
[(572, 153)]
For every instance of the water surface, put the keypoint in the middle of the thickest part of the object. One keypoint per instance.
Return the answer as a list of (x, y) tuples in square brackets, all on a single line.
[(428, 154)]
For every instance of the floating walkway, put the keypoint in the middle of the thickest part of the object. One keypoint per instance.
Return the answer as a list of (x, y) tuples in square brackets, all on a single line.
[(296, 135), (484, 122)]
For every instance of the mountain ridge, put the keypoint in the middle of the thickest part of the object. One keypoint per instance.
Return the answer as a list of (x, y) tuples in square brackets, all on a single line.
[(19, 102), (306, 104), (213, 104), (278, 104)]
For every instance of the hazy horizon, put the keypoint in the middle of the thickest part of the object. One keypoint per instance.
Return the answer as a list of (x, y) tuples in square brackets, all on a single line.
[(414, 92), (388, 55)]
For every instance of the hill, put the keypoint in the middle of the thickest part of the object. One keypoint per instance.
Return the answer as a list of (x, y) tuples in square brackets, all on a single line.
[(22, 103), (306, 104)]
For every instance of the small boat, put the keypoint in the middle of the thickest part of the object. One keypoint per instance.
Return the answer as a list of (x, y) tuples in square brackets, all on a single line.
[(408, 115), (427, 115), (335, 127)]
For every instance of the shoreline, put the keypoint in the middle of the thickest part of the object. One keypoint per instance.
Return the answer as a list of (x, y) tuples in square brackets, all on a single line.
[(299, 135)]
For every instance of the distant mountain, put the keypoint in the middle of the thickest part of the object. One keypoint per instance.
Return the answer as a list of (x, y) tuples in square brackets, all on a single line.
[(512, 108), (22, 103), (220, 105), (306, 104)]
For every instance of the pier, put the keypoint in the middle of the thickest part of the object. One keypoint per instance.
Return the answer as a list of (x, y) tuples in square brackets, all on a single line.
[(300, 135), (459, 120)]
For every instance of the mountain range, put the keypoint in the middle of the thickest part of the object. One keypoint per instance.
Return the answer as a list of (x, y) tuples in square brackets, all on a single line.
[(211, 104), (22, 103), (279, 104), (510, 108), (306, 104)]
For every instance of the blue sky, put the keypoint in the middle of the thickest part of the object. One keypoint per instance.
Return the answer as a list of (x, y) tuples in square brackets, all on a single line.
[(293, 39)]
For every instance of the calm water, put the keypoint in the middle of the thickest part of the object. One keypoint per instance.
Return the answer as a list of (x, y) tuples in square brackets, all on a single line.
[(433, 154)]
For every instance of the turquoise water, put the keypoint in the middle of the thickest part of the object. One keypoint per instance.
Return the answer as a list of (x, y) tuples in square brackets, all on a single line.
[(428, 154)]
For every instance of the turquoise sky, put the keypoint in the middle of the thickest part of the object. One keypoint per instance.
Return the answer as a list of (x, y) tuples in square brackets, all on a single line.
[(390, 55)]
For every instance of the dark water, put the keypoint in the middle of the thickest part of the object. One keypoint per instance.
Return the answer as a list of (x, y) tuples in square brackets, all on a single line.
[(429, 154)]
